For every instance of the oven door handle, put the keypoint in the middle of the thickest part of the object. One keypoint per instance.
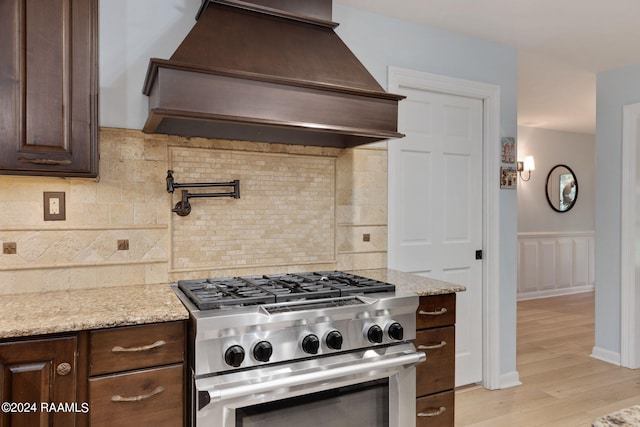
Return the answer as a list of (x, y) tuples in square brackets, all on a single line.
[(315, 376)]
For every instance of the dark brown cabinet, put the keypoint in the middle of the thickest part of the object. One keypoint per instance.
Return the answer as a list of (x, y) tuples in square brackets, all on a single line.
[(435, 377), (130, 375), (49, 87), (35, 373), (136, 375)]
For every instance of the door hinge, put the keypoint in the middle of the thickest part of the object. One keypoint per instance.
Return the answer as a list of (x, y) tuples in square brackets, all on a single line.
[(479, 254)]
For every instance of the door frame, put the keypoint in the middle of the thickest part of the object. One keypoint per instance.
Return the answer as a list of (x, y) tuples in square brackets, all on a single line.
[(629, 310), (490, 95)]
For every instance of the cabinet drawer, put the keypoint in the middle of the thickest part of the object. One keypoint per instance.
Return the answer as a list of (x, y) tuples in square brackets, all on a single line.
[(437, 373), (135, 347), (152, 397), (436, 310), (436, 410)]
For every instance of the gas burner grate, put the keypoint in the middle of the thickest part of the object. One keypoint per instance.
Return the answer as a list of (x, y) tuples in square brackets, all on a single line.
[(288, 287), (209, 294), (215, 293), (349, 284)]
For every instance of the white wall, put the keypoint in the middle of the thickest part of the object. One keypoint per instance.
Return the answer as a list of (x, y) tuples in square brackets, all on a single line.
[(550, 148), (556, 253), (133, 31), (614, 89)]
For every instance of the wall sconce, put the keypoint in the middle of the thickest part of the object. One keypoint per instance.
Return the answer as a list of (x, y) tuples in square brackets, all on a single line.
[(527, 166)]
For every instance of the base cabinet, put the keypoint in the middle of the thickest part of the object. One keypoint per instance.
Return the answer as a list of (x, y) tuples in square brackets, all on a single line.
[(121, 376), (436, 410), (150, 397), (36, 373), (137, 375), (435, 377)]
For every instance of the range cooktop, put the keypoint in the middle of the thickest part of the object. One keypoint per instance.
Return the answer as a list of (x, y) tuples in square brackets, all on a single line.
[(215, 293)]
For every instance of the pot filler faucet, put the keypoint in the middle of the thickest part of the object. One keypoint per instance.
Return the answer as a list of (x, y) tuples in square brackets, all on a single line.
[(183, 207)]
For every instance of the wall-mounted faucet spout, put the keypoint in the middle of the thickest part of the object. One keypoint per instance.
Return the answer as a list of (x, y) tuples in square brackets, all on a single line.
[(183, 207)]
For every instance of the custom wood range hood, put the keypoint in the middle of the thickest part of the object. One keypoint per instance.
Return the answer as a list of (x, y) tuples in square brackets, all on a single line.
[(270, 71)]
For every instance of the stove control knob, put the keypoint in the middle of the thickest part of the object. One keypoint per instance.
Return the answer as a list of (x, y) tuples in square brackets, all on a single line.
[(234, 356), (334, 340), (374, 334), (395, 331), (311, 344), (263, 351)]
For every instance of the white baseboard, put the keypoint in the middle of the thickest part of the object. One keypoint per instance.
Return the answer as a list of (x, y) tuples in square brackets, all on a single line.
[(555, 292), (606, 355), (511, 379)]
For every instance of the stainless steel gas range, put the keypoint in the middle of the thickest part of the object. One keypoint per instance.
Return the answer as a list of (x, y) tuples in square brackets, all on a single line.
[(327, 348)]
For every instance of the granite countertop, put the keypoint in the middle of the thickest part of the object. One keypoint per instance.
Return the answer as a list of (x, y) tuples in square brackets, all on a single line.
[(33, 314), (83, 309), (422, 286)]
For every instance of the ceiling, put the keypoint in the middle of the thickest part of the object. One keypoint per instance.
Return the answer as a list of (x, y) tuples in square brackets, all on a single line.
[(562, 45)]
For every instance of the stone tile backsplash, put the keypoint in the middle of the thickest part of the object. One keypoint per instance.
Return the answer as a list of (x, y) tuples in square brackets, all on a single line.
[(301, 208), (285, 215)]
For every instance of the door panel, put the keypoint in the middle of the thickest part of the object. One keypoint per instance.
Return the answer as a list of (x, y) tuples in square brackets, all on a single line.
[(416, 228), (456, 198), (31, 373), (435, 206), (48, 87)]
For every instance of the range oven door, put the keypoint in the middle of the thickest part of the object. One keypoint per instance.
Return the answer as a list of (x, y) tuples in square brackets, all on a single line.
[(373, 388)]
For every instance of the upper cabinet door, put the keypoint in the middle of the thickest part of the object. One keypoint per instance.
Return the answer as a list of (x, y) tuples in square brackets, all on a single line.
[(49, 87)]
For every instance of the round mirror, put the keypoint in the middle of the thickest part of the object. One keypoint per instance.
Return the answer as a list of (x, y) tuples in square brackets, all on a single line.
[(562, 188)]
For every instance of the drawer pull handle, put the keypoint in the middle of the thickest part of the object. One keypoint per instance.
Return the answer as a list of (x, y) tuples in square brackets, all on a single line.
[(432, 347), (45, 161), (118, 398), (440, 312), (157, 344), (433, 413)]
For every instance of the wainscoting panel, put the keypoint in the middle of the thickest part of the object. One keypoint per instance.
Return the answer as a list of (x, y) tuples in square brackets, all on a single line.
[(551, 264), (581, 267), (528, 267), (565, 263), (547, 254)]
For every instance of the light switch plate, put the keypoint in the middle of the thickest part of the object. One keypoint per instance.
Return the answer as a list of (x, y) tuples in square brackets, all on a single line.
[(54, 206)]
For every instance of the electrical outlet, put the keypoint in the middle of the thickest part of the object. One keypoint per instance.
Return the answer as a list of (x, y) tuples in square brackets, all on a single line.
[(9, 248), (54, 206), (123, 245)]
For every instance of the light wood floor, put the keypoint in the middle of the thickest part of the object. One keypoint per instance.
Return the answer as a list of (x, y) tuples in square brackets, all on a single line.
[(562, 385)]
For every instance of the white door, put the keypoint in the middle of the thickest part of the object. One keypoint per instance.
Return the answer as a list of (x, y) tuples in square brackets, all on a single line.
[(435, 206)]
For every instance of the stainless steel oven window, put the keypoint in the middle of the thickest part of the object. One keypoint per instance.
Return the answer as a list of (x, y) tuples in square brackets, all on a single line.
[(365, 404)]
